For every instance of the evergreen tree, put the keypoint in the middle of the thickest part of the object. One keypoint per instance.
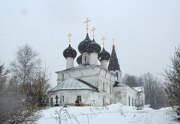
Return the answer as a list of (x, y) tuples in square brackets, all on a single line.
[(173, 76)]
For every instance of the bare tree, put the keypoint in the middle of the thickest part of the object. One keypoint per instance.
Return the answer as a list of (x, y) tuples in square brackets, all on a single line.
[(27, 88), (173, 76), (32, 79), (130, 80), (39, 90), (25, 68), (26, 65), (154, 91)]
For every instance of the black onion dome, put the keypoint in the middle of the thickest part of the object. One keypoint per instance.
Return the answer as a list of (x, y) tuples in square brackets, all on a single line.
[(69, 52), (84, 45), (94, 47), (103, 55), (79, 59)]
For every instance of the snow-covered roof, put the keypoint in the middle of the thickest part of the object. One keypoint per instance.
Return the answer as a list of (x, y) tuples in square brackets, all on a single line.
[(73, 84), (139, 89)]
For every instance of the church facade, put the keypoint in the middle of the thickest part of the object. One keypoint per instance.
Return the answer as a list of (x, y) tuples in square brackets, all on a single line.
[(95, 81)]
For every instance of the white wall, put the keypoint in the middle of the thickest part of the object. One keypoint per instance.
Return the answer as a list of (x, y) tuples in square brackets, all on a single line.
[(93, 58), (104, 64), (122, 95), (119, 95), (103, 80), (87, 96), (69, 62), (132, 94)]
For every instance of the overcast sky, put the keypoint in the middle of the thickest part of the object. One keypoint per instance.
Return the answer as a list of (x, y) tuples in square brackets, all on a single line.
[(145, 31)]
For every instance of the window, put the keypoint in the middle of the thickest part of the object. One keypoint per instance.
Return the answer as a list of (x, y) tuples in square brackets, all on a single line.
[(117, 75), (62, 99), (85, 59), (62, 76), (129, 98), (132, 101), (56, 100), (51, 101), (79, 98)]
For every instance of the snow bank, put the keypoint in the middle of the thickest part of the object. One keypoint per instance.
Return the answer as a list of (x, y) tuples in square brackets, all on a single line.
[(112, 114)]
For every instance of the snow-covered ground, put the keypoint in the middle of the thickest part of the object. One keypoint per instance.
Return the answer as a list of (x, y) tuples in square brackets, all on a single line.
[(113, 114)]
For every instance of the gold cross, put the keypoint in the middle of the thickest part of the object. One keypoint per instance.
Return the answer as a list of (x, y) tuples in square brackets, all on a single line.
[(93, 30), (87, 20), (103, 40), (69, 37)]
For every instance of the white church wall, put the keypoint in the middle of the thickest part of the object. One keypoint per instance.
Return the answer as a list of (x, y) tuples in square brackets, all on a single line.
[(105, 87), (104, 64), (93, 58), (125, 95), (60, 77), (103, 80), (119, 95), (87, 97), (78, 72), (85, 71), (69, 62), (91, 79), (105, 74), (131, 96), (106, 81)]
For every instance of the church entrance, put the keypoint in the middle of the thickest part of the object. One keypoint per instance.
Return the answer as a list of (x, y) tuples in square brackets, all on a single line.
[(57, 98), (78, 100)]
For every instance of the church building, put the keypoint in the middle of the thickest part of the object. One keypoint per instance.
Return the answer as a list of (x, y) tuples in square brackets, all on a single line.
[(96, 81)]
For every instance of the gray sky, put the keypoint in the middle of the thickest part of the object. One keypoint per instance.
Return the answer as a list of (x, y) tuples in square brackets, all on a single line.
[(145, 31)]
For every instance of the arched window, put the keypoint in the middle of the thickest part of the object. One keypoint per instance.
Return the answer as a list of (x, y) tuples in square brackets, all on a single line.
[(117, 75), (51, 101), (62, 76), (132, 101), (62, 100), (56, 100), (85, 59)]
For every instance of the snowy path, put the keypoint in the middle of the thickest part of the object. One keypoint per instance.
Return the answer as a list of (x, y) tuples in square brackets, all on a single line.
[(113, 114)]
